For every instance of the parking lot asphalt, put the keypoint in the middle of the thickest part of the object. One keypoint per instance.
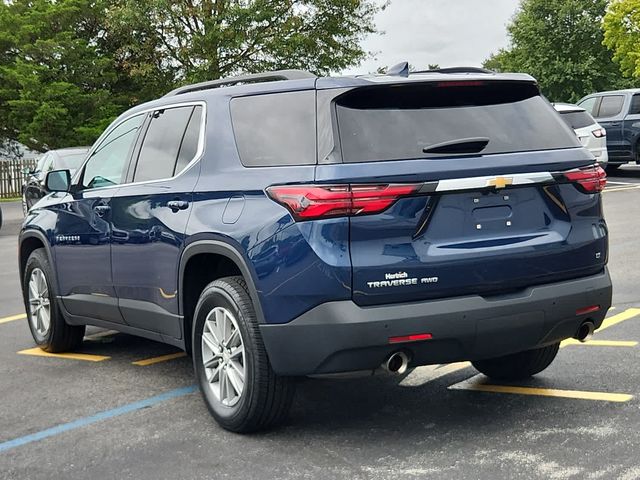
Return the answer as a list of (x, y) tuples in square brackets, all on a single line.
[(127, 409)]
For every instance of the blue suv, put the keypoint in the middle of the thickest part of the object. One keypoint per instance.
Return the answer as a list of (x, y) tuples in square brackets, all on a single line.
[(281, 225), (619, 113)]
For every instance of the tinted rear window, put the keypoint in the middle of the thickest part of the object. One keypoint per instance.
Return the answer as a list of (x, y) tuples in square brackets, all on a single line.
[(610, 106), (275, 129), (162, 144), (635, 105), (398, 122), (577, 119)]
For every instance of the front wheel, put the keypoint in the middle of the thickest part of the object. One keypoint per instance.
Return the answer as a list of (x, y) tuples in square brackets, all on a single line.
[(48, 327), (518, 366), (233, 371)]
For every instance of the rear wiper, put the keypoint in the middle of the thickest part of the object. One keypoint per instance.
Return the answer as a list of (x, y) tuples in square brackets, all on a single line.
[(460, 146)]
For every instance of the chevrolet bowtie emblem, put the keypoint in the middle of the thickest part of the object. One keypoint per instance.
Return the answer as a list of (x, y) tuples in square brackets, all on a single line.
[(500, 182)]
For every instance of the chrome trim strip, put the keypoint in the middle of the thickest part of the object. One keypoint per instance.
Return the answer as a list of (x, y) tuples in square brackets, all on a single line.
[(495, 181)]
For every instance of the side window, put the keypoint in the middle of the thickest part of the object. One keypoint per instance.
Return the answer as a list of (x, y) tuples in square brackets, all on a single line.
[(108, 162), (190, 141), (44, 160), (170, 140), (635, 105), (275, 129), (49, 163), (610, 106), (589, 104)]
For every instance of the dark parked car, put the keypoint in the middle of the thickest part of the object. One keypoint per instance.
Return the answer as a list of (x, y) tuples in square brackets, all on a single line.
[(619, 113), (281, 225), (65, 158)]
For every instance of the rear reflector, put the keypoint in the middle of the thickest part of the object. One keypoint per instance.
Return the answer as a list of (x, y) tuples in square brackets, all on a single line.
[(311, 202), (584, 311), (591, 179), (418, 337)]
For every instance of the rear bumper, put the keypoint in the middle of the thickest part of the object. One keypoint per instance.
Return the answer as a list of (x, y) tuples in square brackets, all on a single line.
[(342, 336)]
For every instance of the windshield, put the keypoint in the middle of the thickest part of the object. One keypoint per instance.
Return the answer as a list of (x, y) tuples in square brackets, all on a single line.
[(409, 121)]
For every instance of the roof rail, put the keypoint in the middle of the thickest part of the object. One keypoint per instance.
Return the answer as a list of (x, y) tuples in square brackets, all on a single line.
[(250, 78), (457, 70)]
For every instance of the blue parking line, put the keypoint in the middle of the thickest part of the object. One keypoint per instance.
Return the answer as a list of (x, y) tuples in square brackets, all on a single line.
[(81, 422)]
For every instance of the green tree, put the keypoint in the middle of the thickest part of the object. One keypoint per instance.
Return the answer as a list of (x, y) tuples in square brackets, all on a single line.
[(58, 84), (204, 40), (68, 67), (622, 34), (559, 42)]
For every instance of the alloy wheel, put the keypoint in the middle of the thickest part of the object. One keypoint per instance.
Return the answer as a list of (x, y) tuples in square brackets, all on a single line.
[(223, 356), (39, 302)]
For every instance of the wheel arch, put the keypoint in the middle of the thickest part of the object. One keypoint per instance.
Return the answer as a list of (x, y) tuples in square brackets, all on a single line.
[(30, 241), (229, 261)]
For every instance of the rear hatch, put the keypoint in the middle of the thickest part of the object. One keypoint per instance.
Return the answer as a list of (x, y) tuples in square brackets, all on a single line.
[(459, 188)]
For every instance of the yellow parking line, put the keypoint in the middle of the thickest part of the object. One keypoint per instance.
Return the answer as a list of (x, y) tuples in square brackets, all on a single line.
[(620, 317), (620, 189), (37, 352), (599, 343), (161, 358), (475, 384), (13, 318)]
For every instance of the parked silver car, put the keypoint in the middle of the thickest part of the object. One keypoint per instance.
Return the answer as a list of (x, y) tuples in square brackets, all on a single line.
[(590, 133)]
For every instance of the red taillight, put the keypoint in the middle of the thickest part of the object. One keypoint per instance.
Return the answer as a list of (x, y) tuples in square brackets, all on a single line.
[(591, 179), (418, 337), (599, 133), (309, 202)]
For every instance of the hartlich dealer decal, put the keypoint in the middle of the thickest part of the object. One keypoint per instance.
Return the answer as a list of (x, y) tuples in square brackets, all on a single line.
[(401, 279)]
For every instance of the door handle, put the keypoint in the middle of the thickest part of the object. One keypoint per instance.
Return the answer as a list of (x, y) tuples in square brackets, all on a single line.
[(176, 205), (101, 210)]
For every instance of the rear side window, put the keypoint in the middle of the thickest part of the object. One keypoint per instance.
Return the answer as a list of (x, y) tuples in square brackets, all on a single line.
[(578, 119), (275, 129), (610, 106), (635, 105), (400, 122), (166, 143)]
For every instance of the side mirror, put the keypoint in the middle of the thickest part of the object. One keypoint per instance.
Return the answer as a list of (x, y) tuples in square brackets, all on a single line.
[(58, 181)]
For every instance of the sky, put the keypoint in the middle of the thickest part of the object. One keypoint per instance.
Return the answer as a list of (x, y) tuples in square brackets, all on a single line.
[(444, 32)]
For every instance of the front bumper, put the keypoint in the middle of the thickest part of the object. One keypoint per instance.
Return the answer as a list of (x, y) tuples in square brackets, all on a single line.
[(342, 336)]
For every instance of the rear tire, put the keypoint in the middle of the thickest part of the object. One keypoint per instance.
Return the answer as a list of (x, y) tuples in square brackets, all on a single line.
[(48, 327), (520, 365), (237, 382)]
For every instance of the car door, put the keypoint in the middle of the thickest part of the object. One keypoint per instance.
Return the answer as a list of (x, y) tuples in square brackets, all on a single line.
[(150, 217), (609, 115), (82, 236)]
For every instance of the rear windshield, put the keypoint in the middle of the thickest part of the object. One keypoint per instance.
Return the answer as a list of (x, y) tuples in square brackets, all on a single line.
[(401, 122), (578, 119)]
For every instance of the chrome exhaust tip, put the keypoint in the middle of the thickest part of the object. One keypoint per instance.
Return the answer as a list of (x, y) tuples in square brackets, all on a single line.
[(585, 332), (397, 363)]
